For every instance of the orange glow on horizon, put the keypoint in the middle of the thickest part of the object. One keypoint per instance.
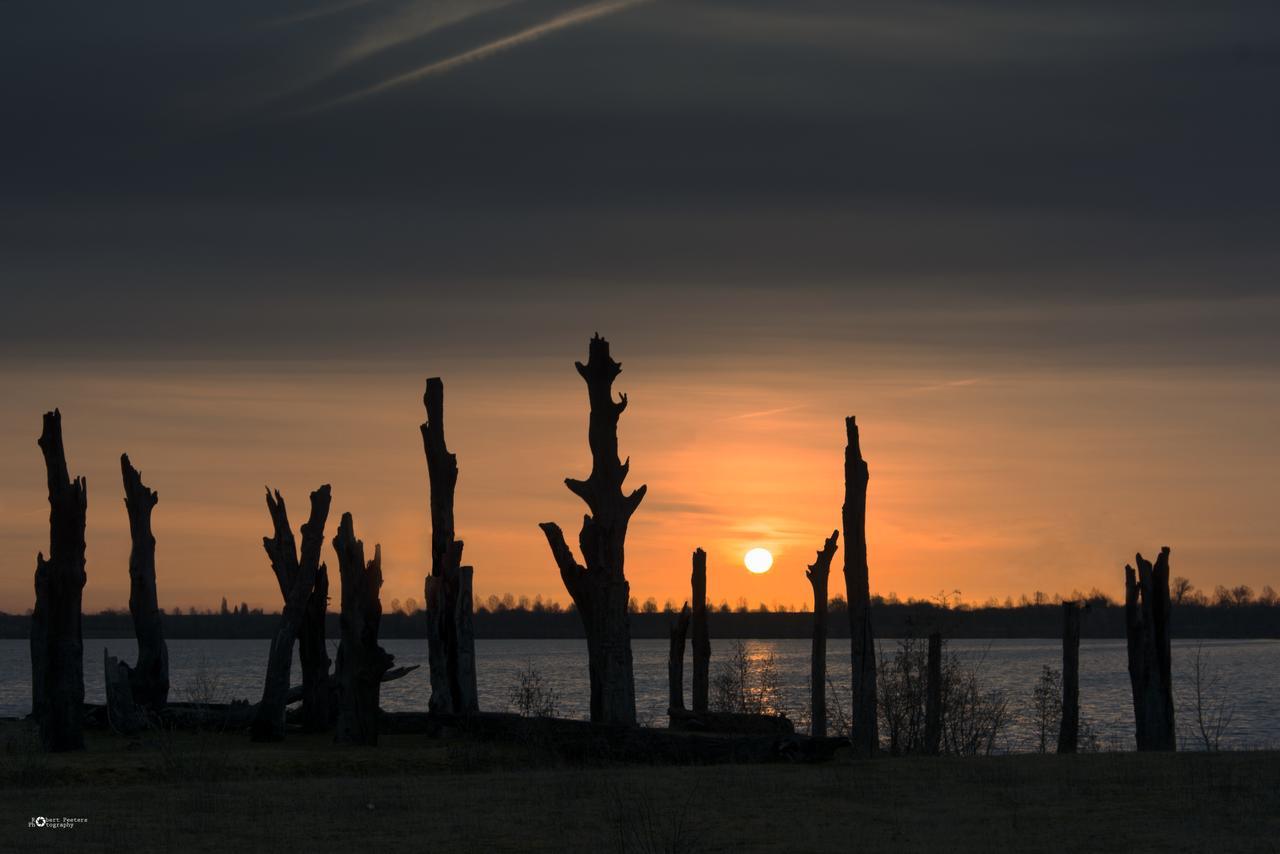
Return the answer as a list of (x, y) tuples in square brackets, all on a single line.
[(983, 486)]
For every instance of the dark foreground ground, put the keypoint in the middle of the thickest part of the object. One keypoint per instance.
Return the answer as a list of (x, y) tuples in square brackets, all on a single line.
[(213, 792)]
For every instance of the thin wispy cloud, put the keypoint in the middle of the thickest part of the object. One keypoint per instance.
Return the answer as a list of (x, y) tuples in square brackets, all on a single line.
[(945, 386), (763, 413), (560, 22), (314, 14)]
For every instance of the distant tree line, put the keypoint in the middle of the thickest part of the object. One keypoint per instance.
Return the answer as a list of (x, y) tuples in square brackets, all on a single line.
[(1235, 612)]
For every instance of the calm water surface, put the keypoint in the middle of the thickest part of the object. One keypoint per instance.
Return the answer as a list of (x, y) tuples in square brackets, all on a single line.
[(1248, 670)]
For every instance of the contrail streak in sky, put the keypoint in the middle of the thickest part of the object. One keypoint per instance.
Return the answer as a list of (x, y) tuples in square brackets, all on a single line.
[(560, 22)]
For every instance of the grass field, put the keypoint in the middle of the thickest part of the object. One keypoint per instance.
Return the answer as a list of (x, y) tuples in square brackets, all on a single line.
[(190, 792)]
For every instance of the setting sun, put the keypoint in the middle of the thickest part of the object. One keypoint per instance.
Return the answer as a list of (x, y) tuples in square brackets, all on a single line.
[(758, 561)]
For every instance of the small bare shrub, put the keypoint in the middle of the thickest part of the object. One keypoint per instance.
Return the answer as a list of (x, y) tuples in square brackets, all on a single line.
[(1046, 708), (205, 687), (975, 718), (531, 696), (1208, 708), (748, 685)]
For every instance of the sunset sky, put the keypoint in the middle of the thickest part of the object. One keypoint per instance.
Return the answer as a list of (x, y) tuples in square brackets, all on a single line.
[(1031, 246)]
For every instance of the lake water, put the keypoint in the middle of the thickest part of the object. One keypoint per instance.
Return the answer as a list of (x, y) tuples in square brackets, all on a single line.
[(1249, 671)]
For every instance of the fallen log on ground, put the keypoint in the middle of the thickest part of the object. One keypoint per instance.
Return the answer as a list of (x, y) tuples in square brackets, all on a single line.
[(238, 714), (584, 740), (730, 723)]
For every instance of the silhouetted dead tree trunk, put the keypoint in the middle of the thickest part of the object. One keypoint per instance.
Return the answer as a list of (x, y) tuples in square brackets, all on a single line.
[(933, 697), (149, 680), (818, 573), (450, 639), (57, 647), (701, 637), (865, 731), (313, 656), (123, 714), (675, 662), (1146, 612), (600, 589), (296, 574), (1069, 728), (361, 662)]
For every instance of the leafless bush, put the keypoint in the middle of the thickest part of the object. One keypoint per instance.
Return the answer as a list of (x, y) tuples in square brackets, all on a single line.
[(1087, 738), (902, 683), (1208, 707), (205, 687), (1046, 708), (975, 718), (747, 684), (837, 715), (531, 696)]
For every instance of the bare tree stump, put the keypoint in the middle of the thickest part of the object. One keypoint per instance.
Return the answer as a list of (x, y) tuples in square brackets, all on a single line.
[(1146, 612), (701, 637), (149, 680), (123, 714), (600, 589), (818, 573), (1069, 728), (361, 662), (865, 731), (675, 662), (933, 698), (450, 637), (296, 574), (57, 646)]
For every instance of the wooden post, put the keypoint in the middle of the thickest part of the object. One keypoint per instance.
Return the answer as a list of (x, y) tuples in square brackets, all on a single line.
[(701, 636), (1068, 731), (600, 589), (296, 574), (865, 734), (450, 639), (361, 662), (818, 573), (1146, 610), (933, 698), (57, 646), (675, 662), (149, 680)]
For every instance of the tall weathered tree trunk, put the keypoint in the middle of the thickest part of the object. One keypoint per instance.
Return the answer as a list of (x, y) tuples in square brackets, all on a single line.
[(296, 574), (149, 680), (675, 662), (313, 656), (818, 573), (865, 732), (600, 589), (57, 646), (1069, 729), (361, 662), (701, 637), (450, 639), (933, 697), (1146, 612)]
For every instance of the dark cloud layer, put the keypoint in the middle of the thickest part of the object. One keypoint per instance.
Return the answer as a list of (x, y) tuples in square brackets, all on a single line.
[(985, 153)]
